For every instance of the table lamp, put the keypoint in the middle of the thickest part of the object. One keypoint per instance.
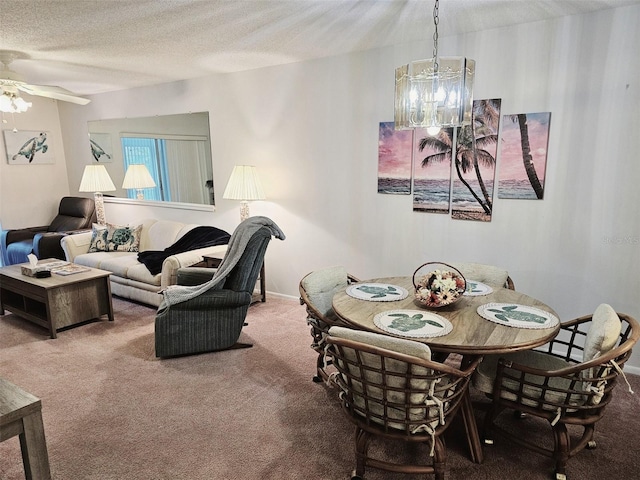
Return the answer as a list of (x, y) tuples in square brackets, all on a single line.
[(96, 179), (244, 185), (138, 177)]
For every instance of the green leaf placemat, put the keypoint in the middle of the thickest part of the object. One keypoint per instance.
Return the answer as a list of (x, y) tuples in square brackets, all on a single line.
[(413, 323), (476, 289), (519, 316), (377, 292)]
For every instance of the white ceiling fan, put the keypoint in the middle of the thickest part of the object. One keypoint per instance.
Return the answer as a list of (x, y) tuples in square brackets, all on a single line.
[(11, 83)]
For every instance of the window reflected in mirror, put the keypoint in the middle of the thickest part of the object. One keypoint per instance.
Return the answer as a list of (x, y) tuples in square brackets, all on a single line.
[(176, 150)]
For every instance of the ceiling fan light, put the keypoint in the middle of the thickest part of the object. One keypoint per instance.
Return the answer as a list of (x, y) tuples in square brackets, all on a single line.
[(21, 105), (12, 103)]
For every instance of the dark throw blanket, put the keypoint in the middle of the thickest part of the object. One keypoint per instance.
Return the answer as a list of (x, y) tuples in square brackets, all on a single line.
[(199, 237)]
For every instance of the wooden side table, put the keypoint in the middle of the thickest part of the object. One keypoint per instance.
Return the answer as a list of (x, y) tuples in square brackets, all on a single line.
[(21, 414), (214, 262)]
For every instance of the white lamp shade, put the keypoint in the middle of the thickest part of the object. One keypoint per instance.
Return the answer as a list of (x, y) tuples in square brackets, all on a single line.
[(244, 184), (95, 178), (138, 176)]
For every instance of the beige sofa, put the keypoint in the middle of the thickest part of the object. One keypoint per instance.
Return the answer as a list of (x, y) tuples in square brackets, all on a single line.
[(130, 278)]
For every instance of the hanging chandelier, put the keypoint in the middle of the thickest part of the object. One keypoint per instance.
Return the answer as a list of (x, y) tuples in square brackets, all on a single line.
[(434, 93), (11, 102)]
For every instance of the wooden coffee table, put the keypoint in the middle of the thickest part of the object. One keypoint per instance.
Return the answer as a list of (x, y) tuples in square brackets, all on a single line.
[(57, 301)]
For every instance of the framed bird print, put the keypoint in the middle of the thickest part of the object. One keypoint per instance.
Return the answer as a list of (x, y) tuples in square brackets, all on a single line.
[(28, 147), (101, 149)]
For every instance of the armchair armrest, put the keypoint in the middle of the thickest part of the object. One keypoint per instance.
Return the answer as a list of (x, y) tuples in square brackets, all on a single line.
[(195, 275), (48, 244), (172, 264), (215, 300), (11, 236)]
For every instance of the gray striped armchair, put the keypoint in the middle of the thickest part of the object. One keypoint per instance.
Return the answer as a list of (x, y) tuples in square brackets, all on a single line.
[(214, 319)]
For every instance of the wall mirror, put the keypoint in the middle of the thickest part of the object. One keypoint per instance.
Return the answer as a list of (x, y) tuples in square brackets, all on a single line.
[(176, 149)]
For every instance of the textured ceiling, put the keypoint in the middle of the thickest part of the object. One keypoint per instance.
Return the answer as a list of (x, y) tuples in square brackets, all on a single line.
[(95, 46)]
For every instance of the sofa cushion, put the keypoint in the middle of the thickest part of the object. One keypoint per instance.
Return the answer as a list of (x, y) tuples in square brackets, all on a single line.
[(104, 260), (163, 234), (139, 272)]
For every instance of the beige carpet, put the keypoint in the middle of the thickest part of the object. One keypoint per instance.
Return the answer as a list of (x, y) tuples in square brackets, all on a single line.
[(113, 411)]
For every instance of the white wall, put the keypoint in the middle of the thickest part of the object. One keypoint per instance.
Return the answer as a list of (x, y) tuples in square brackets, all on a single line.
[(312, 130), (30, 194)]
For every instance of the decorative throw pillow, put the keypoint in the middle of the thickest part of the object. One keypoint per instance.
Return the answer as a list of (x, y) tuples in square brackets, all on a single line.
[(122, 238), (98, 238)]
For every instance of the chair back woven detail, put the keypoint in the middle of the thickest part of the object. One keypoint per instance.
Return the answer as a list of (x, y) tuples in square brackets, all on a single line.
[(396, 395), (316, 292), (556, 385)]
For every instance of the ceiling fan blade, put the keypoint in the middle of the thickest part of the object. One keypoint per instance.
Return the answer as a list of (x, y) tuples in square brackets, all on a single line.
[(57, 93)]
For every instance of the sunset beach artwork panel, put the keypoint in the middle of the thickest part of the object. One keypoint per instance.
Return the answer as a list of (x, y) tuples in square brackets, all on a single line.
[(523, 155), (394, 160), (432, 171), (474, 177)]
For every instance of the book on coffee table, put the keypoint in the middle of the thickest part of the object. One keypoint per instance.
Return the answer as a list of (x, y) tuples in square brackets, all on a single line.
[(69, 269)]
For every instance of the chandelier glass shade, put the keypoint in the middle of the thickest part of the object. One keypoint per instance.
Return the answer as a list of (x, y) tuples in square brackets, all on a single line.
[(434, 93)]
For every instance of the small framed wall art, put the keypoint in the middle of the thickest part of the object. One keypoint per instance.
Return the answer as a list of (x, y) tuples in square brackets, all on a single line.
[(28, 147), (101, 149)]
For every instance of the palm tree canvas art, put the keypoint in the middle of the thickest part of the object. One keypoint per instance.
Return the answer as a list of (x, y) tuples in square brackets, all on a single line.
[(475, 163), (432, 171), (475, 149), (524, 141), (394, 159)]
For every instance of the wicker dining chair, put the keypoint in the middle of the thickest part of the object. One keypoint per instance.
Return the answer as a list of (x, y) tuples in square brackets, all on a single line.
[(489, 274), (316, 292), (391, 388), (568, 383)]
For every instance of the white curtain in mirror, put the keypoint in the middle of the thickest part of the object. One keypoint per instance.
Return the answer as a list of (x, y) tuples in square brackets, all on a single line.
[(185, 173)]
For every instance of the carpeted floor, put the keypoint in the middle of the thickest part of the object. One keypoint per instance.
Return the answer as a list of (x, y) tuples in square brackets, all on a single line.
[(112, 411)]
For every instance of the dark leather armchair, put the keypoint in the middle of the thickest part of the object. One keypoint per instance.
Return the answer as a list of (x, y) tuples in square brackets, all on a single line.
[(213, 319), (74, 213)]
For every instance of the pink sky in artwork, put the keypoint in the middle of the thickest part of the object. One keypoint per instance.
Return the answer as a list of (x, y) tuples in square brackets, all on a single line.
[(434, 171), (394, 152), (511, 165)]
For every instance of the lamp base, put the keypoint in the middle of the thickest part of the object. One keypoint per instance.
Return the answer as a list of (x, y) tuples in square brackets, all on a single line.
[(99, 203), (244, 210)]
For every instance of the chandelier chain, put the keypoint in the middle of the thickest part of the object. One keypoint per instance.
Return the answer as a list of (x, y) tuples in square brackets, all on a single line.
[(436, 21)]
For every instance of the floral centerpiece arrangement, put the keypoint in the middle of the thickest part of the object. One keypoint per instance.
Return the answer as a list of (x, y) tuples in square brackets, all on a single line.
[(440, 286)]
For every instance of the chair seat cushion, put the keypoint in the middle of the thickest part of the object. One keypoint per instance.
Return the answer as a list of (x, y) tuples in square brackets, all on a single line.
[(484, 376), (18, 251)]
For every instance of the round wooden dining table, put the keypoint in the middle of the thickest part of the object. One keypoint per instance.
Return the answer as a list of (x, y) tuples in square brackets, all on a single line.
[(471, 334)]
